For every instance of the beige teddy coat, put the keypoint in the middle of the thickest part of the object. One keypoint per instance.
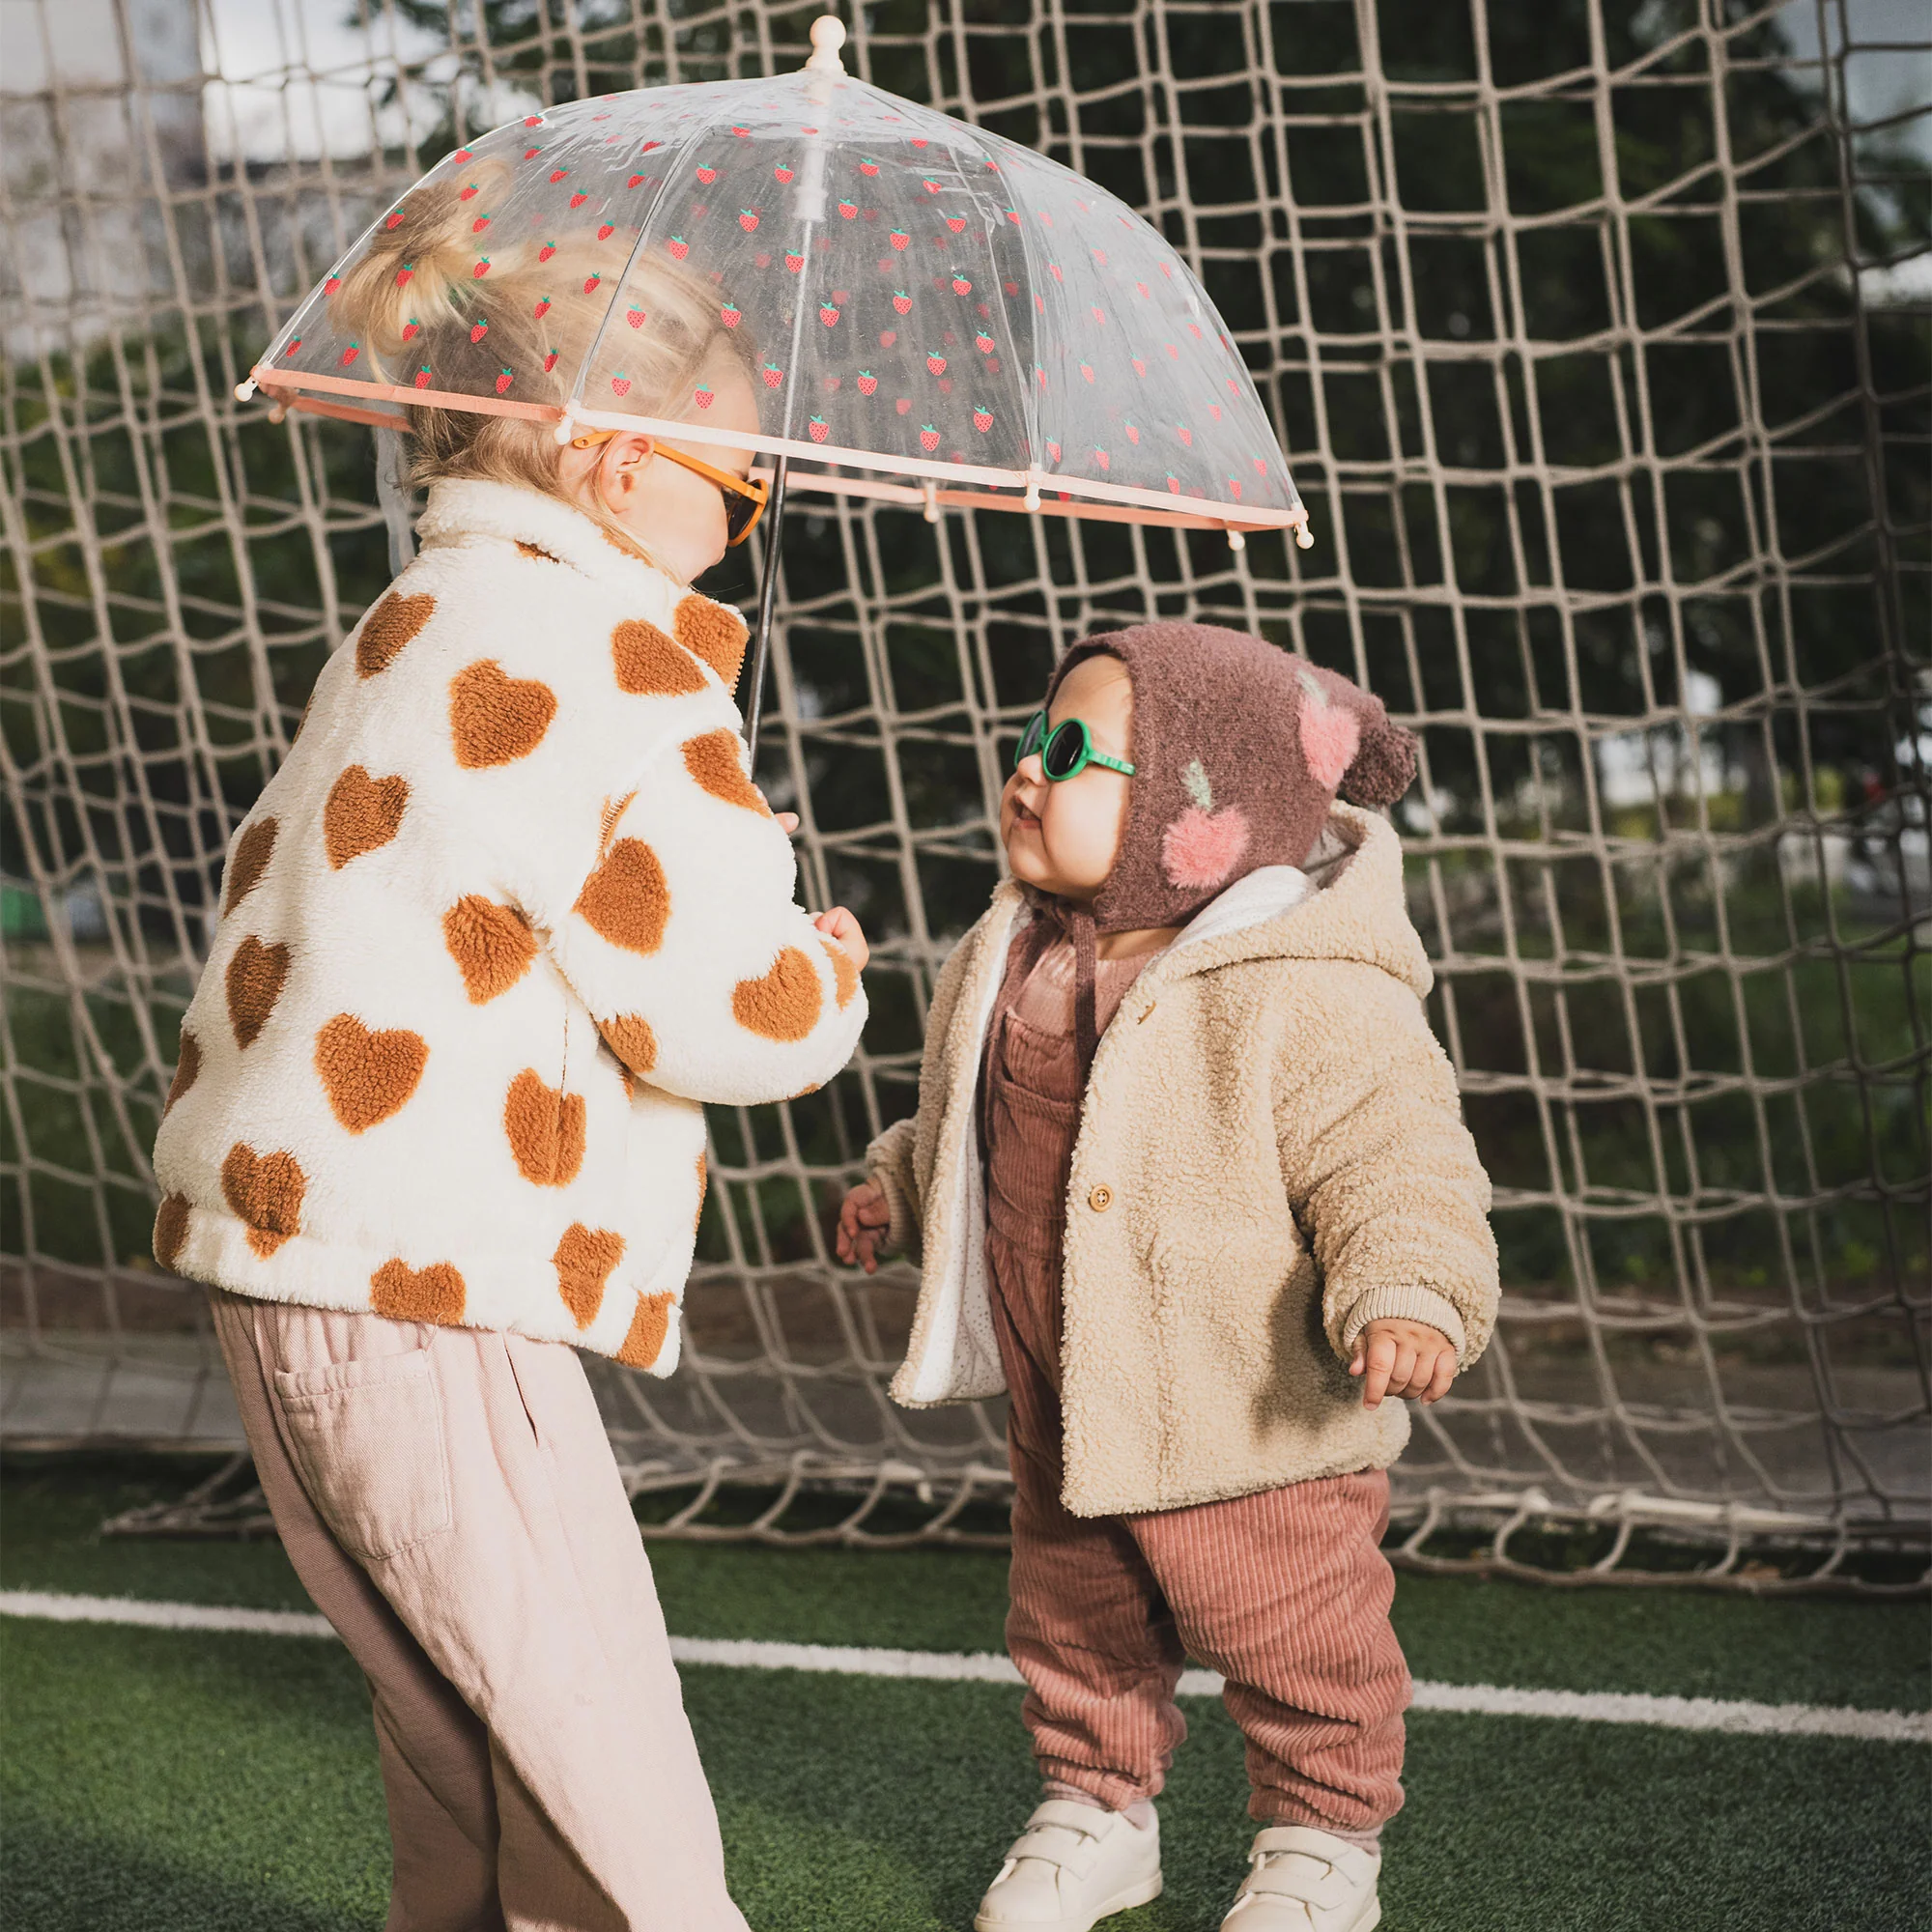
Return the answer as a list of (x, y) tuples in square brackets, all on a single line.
[(1272, 1154)]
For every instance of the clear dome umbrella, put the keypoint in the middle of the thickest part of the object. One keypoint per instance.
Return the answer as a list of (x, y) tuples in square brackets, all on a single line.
[(930, 314)]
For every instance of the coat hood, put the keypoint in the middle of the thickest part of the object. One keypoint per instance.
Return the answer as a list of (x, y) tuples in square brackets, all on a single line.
[(1346, 903)]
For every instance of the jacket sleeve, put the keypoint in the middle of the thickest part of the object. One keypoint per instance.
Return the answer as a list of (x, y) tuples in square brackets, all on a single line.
[(1381, 1171), (684, 940), (891, 1169), (905, 1153)]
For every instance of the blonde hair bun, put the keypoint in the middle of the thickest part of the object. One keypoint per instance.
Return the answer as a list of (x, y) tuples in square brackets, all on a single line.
[(456, 294)]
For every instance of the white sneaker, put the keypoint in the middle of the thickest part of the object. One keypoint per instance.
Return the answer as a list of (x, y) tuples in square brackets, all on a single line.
[(1301, 1880), (1074, 1865)]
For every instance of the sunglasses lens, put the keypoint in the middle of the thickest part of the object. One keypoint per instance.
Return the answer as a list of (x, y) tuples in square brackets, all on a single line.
[(1030, 739), (1066, 750), (738, 514)]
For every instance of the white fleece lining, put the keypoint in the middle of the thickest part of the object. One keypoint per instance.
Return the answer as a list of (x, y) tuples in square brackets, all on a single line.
[(1264, 894), (963, 1308), (962, 1321)]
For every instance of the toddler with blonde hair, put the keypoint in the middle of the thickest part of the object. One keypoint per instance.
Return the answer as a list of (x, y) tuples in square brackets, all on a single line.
[(511, 911)]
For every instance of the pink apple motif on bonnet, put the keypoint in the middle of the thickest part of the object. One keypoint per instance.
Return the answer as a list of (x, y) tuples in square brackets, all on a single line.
[(1203, 846)]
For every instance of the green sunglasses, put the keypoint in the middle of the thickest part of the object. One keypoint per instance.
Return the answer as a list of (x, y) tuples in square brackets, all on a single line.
[(1066, 752)]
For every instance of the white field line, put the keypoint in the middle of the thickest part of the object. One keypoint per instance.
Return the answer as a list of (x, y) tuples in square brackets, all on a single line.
[(1490, 1700)]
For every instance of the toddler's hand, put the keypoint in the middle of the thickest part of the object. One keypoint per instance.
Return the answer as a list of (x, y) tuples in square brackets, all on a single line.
[(1403, 1358), (843, 929), (786, 821), (863, 1218)]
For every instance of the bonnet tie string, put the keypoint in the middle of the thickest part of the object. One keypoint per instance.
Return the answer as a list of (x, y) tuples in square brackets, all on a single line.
[(1086, 971)]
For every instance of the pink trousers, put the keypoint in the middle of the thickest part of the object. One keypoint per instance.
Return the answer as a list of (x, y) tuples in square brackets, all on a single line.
[(1286, 1593), (449, 1499)]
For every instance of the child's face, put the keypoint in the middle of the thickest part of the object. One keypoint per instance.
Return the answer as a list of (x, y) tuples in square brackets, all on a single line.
[(675, 513), (1065, 837)]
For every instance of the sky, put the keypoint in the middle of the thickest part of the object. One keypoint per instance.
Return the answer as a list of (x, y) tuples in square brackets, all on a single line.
[(300, 78), (298, 75), (295, 75), (264, 39)]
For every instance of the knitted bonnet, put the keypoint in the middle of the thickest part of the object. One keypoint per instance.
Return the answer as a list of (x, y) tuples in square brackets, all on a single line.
[(1239, 751)]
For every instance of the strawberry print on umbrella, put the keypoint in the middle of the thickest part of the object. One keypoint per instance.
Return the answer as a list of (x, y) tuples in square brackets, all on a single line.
[(911, 244), (1042, 346)]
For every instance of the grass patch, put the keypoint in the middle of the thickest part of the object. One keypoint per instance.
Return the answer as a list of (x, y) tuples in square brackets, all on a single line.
[(158, 1780), (1455, 1629)]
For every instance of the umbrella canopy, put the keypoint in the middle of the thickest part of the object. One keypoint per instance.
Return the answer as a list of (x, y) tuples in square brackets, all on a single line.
[(924, 310)]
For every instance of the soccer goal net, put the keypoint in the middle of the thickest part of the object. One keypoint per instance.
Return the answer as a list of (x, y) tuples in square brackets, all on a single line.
[(1596, 335)]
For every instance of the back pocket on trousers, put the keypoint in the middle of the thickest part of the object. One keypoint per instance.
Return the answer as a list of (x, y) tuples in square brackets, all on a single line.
[(371, 1451)]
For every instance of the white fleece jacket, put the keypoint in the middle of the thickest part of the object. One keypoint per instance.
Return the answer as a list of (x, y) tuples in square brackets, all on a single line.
[(510, 912)]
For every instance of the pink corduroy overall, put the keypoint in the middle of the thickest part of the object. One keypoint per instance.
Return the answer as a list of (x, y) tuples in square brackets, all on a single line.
[(1285, 1592)]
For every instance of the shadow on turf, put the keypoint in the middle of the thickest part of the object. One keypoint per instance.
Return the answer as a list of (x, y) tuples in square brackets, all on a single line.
[(853, 1805), (65, 1881), (873, 1805)]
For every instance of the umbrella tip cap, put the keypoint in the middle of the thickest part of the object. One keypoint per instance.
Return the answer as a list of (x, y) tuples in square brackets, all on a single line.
[(827, 35)]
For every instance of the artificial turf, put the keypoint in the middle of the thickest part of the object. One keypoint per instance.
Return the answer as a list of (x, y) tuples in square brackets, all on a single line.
[(160, 1780)]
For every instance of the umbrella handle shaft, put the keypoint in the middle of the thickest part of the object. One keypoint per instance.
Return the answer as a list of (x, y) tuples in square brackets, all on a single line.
[(767, 597)]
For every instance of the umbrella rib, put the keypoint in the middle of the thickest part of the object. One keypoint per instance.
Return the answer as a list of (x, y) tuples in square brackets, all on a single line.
[(812, 180), (672, 155), (1030, 402)]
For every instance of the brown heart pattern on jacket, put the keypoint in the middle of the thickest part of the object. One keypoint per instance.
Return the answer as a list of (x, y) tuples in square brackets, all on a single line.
[(252, 853), (545, 1127), (362, 814), (367, 1077), (432, 1293), (713, 760), (188, 1069), (784, 1004), (584, 1259), (650, 1323), (493, 946), (391, 625), (844, 975), (170, 1230), (254, 983), (627, 900), (711, 633), (630, 1038), (649, 664), (494, 719), (265, 1191)]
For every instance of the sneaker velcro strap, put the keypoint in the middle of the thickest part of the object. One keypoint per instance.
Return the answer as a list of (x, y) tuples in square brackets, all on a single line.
[(1065, 1834), (1292, 1862), (1068, 1815)]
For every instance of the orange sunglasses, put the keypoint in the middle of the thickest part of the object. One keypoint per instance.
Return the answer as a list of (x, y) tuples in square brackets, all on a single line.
[(745, 497)]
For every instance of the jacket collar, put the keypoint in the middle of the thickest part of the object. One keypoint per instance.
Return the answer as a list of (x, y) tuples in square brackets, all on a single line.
[(463, 507), (1347, 904)]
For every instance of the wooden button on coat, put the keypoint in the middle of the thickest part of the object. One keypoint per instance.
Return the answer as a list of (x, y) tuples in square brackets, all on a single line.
[(1101, 1199)]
